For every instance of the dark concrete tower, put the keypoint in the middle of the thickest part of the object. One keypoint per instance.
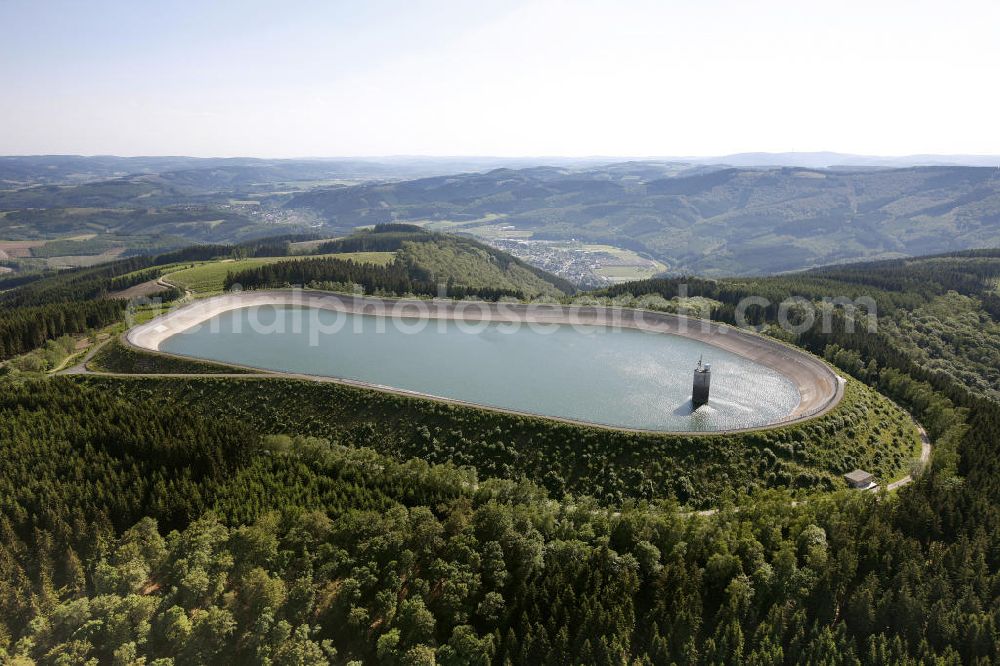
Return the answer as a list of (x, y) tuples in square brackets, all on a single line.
[(702, 382)]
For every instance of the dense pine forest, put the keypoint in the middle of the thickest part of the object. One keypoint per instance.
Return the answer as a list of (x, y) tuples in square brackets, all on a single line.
[(201, 521), (45, 307), (607, 465), (345, 275)]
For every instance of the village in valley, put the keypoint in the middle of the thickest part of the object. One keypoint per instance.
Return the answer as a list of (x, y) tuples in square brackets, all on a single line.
[(588, 266)]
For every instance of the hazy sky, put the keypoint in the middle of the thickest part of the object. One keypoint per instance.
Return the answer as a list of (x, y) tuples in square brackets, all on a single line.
[(486, 77)]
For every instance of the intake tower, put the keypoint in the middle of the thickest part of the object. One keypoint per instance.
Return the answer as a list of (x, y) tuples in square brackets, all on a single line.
[(702, 382)]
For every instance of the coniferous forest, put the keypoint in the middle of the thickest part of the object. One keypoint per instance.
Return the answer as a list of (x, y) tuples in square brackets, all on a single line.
[(183, 520), (426, 264), (632, 333)]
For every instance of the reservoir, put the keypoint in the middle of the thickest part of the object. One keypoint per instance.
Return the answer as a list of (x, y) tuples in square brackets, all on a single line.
[(611, 376)]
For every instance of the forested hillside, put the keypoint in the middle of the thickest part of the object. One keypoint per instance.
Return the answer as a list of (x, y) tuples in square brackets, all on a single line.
[(190, 521), (705, 220), (171, 201), (156, 203), (658, 403), (866, 431), (425, 264), (937, 316), (45, 306)]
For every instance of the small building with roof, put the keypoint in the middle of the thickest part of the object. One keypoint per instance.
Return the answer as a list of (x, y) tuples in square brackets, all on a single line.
[(860, 479)]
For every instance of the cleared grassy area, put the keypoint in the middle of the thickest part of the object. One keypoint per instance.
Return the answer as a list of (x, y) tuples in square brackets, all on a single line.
[(19, 248), (83, 260), (621, 264), (498, 231), (377, 258), (209, 277), (305, 247), (471, 226), (630, 272)]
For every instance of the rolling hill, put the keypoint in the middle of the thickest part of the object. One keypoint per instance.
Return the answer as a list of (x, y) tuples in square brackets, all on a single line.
[(701, 219), (423, 263)]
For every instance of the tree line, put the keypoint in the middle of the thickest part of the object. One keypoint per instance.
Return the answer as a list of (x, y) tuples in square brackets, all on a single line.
[(135, 528), (865, 431), (27, 328), (327, 272), (191, 538), (393, 237)]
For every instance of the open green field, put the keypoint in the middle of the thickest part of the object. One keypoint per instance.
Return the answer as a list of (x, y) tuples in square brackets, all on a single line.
[(464, 225), (625, 273), (78, 251), (210, 276), (498, 231), (305, 247), (377, 258), (83, 260), (18, 248)]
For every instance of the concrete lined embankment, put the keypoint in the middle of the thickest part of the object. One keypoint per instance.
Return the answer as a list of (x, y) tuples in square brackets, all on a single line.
[(820, 389)]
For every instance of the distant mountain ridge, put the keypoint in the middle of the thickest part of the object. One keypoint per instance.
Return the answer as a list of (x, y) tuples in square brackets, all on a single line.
[(28, 170), (696, 217), (826, 160), (702, 219), (20, 171)]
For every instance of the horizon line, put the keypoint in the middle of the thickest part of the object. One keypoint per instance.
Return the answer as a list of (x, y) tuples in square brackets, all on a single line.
[(507, 157)]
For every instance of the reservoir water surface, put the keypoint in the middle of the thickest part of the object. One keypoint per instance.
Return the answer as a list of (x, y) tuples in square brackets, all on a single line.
[(619, 377)]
